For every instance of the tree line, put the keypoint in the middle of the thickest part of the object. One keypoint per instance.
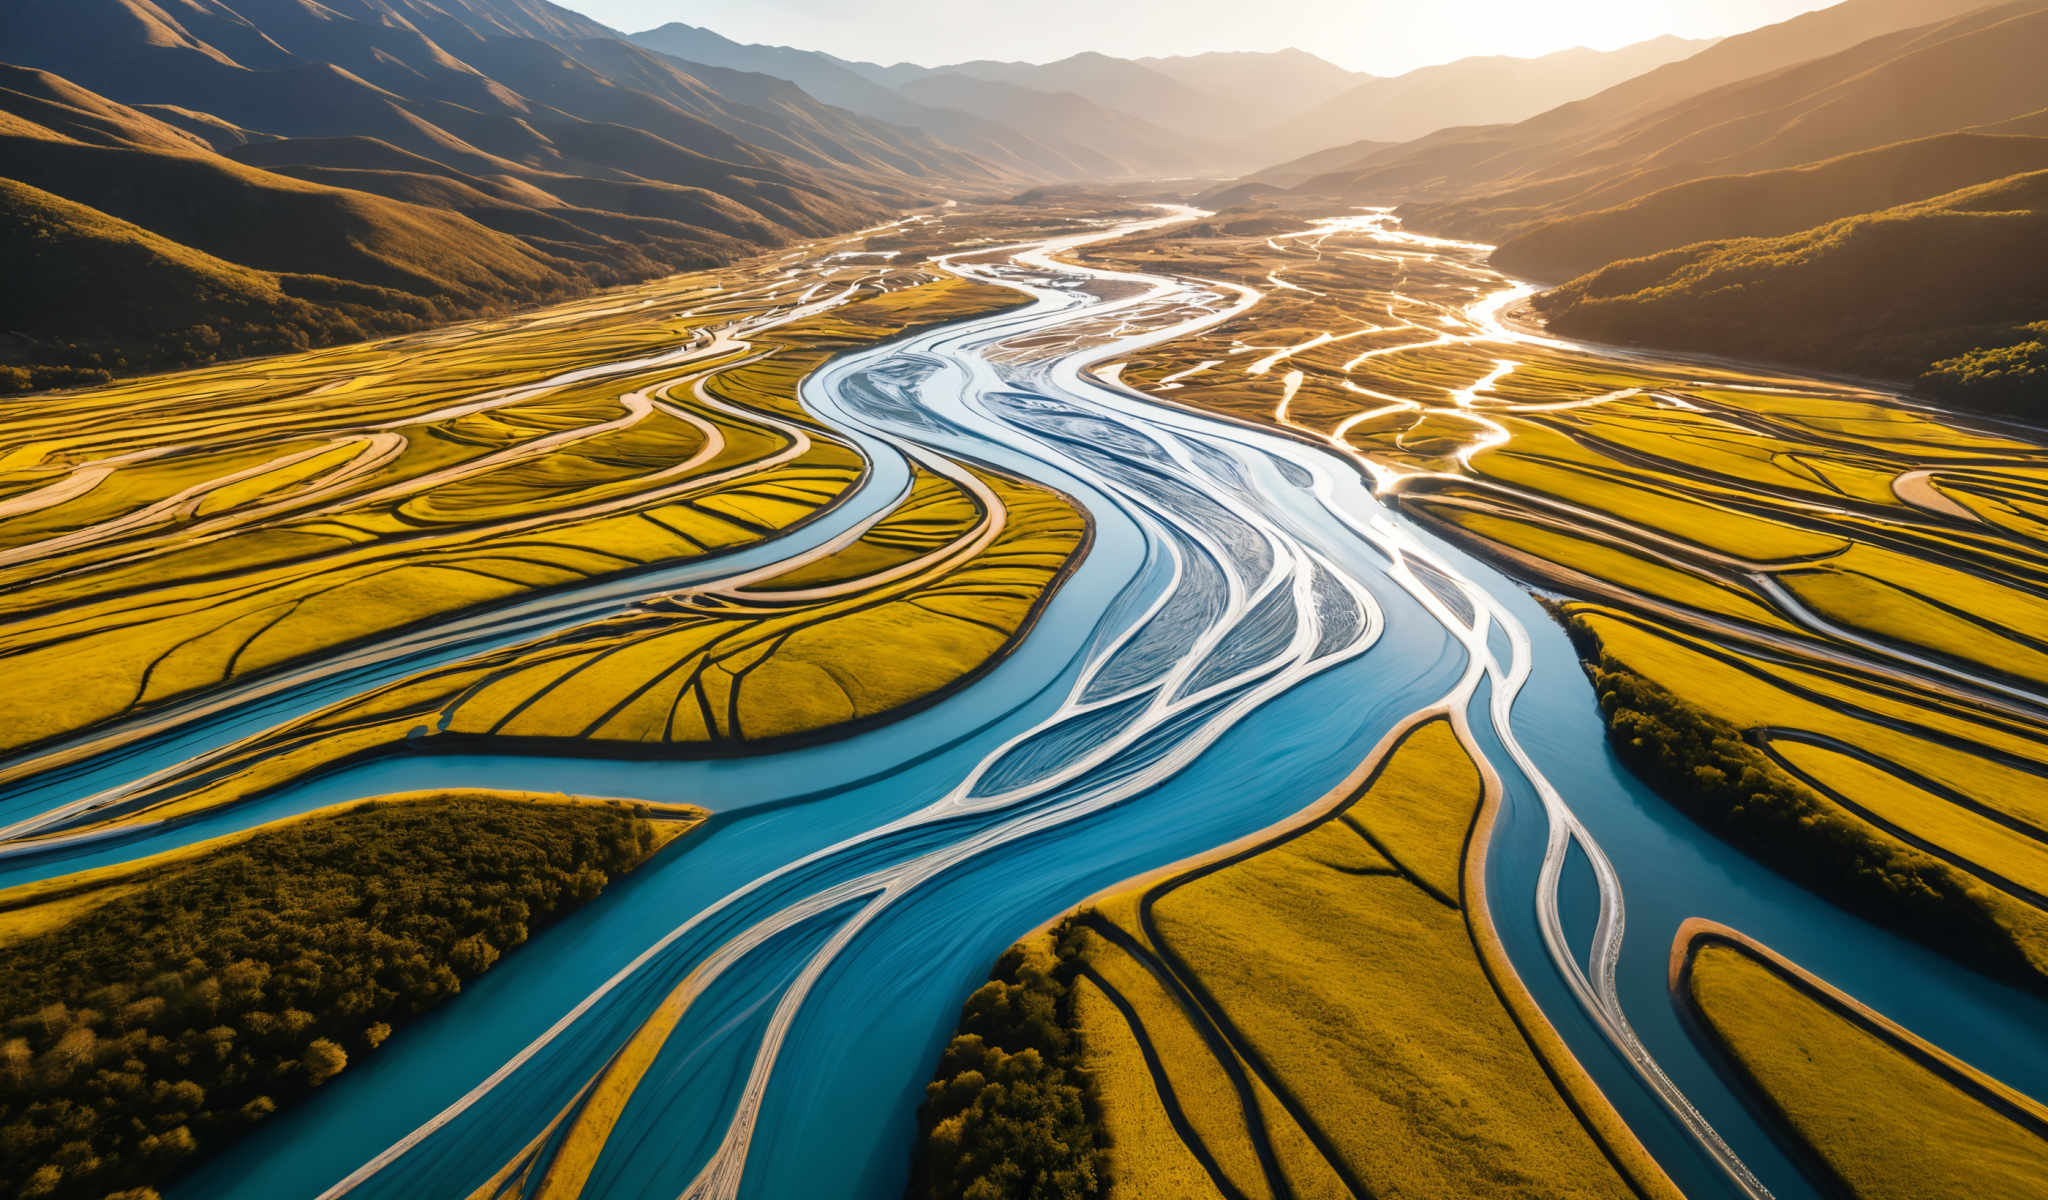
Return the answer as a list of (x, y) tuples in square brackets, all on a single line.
[(1706, 767)]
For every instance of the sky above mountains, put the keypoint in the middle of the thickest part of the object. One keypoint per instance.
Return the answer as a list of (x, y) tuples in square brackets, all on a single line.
[(1384, 37)]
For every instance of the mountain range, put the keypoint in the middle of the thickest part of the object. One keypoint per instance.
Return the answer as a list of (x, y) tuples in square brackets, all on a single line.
[(277, 173), (303, 172), (266, 174), (1191, 115)]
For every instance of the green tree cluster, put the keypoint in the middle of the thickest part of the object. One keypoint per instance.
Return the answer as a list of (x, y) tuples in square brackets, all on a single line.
[(2007, 379), (1705, 767), (1011, 1113), (156, 1027)]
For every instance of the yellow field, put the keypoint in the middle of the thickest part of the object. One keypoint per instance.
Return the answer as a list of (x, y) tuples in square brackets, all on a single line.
[(1885, 1115), (1352, 1025), (922, 601), (1883, 520), (1812, 563), (240, 519), (1873, 789)]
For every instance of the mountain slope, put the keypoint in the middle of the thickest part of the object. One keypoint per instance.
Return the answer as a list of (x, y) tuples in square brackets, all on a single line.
[(484, 86), (64, 325), (197, 198), (841, 84), (1761, 51), (1122, 86), (1769, 203), (1885, 293), (1103, 142), (1978, 69), (1176, 115), (1471, 91), (1265, 87), (421, 158), (1474, 180), (1218, 110)]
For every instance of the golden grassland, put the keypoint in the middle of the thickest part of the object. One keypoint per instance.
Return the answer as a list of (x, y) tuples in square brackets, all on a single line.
[(1787, 555), (1982, 824), (1149, 1157), (1725, 464), (244, 518), (922, 601), (1320, 1004), (1883, 1115)]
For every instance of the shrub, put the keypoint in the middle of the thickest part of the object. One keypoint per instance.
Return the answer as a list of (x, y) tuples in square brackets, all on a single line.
[(1011, 1113), (2011, 378)]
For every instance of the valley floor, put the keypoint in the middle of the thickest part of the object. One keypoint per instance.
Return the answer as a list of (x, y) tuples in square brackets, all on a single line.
[(1022, 561)]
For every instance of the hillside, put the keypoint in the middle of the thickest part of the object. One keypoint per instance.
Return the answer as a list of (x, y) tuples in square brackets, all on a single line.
[(1102, 141), (170, 304), (1496, 180), (1470, 91), (1122, 86), (840, 84), (1884, 294), (426, 159), (1977, 69), (1761, 51), (1266, 88), (1075, 119), (272, 222), (1769, 203), (211, 257)]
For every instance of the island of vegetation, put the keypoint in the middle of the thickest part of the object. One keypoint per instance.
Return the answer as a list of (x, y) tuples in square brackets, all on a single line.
[(1013, 1109), (152, 1012)]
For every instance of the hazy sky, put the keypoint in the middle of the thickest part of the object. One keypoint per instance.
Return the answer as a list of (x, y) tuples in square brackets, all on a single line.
[(1382, 36)]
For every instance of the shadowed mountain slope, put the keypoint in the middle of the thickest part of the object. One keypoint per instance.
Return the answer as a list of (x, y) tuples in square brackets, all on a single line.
[(172, 304), (1885, 293), (1769, 203), (484, 86)]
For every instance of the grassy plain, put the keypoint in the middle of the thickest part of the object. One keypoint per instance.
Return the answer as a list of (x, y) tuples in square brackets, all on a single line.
[(1858, 586), (245, 519), (1884, 1115), (1324, 1017), (870, 634), (370, 503), (239, 522)]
